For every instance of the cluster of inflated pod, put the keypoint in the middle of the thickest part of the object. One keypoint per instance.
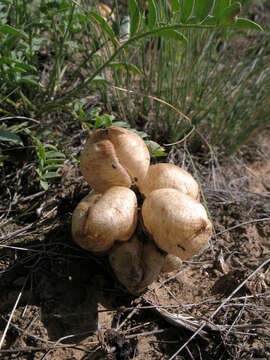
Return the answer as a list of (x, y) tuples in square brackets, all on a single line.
[(145, 217)]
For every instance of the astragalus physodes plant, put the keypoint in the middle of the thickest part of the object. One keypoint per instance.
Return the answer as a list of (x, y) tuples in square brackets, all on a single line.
[(146, 218)]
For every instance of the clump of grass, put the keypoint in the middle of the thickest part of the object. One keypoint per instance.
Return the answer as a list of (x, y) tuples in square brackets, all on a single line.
[(219, 80), (54, 53)]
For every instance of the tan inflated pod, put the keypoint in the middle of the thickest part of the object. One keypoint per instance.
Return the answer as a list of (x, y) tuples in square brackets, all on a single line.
[(165, 175), (126, 262), (153, 262), (114, 156), (171, 263), (136, 264), (101, 219), (178, 224)]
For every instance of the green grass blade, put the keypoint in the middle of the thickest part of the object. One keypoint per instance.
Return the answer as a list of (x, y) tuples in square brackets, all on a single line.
[(152, 14), (134, 17), (9, 136), (186, 9), (203, 8), (7, 29), (241, 23)]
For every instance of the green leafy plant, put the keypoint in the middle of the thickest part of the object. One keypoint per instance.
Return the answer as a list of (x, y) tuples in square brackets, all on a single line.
[(50, 160), (19, 43), (93, 120), (10, 135), (225, 98), (88, 53), (156, 25), (66, 25), (189, 74)]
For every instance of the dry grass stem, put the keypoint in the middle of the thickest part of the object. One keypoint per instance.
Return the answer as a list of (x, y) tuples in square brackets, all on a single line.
[(243, 224), (10, 318)]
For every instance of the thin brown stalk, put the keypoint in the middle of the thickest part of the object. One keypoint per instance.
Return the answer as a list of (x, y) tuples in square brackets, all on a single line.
[(136, 327), (242, 224), (147, 333), (127, 318)]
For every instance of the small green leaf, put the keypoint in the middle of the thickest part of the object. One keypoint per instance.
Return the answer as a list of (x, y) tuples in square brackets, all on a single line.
[(108, 119), (54, 154), (83, 18), (9, 136), (220, 6), (16, 69), (100, 79), (28, 80), (229, 14), (51, 175), (98, 122), (44, 184), (19, 64), (53, 167), (123, 65), (135, 16), (39, 172), (158, 153), (121, 124), (171, 34), (7, 29), (17, 127), (42, 155), (203, 8), (246, 24), (105, 26), (3, 158), (50, 146), (175, 5), (152, 14), (155, 149), (142, 134), (186, 9)]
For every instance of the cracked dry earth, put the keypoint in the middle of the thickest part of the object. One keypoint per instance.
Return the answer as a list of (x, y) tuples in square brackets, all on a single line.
[(65, 303)]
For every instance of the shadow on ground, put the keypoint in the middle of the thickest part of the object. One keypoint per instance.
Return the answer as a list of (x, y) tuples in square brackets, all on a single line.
[(65, 282)]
